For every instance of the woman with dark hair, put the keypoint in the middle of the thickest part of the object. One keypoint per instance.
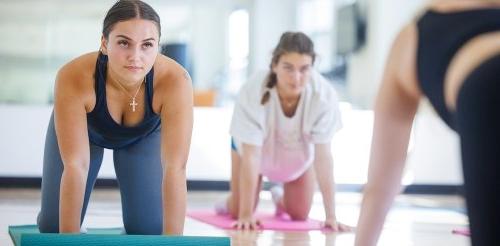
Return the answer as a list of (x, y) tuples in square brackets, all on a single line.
[(451, 55), (129, 98), (282, 126)]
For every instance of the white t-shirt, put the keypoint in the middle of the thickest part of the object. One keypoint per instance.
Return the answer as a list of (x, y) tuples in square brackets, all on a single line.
[(287, 143)]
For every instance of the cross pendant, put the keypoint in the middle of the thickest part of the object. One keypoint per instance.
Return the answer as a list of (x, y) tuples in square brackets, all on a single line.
[(133, 104)]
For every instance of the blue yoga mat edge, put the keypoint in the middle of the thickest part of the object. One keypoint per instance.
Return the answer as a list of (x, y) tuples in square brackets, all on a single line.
[(26, 235)]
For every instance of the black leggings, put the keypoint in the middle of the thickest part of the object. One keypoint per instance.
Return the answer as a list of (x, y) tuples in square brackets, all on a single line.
[(478, 125)]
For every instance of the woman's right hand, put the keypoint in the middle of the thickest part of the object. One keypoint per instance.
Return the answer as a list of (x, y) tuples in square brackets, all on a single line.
[(247, 223)]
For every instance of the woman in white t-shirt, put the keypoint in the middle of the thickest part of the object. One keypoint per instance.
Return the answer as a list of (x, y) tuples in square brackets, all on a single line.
[(282, 126)]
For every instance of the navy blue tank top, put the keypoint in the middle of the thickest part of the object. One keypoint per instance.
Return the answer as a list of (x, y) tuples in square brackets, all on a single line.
[(103, 130), (440, 36)]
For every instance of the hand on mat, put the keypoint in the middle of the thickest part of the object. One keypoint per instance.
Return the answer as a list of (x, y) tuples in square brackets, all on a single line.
[(337, 226), (249, 223)]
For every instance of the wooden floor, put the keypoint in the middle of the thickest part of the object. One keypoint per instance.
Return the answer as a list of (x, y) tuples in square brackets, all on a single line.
[(414, 220)]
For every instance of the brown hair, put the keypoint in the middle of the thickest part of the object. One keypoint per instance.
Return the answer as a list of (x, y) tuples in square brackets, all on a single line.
[(124, 10), (289, 42)]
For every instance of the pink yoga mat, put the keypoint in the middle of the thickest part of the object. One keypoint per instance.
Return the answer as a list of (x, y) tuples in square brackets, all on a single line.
[(267, 221), (465, 232)]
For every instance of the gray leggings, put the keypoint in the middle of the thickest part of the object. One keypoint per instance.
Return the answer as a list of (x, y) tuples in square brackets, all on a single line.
[(139, 174)]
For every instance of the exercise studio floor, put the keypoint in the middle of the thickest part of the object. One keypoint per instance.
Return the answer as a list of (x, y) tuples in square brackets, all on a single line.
[(415, 220)]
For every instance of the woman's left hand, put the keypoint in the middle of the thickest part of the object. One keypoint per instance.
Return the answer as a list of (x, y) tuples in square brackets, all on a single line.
[(336, 226)]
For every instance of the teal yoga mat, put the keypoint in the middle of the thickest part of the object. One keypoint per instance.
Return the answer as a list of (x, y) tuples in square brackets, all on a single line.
[(28, 235)]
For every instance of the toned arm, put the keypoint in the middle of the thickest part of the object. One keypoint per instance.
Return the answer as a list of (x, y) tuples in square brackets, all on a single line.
[(72, 98), (176, 126)]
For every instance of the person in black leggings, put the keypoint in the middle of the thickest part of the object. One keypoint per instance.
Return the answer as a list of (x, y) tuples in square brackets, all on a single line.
[(451, 55), (129, 98)]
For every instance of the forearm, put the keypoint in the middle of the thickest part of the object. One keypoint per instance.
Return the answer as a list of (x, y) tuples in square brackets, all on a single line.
[(324, 174), (174, 201), (328, 193), (248, 187), (72, 192)]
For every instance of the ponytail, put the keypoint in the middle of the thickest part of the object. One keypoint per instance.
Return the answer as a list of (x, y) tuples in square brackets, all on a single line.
[(271, 82)]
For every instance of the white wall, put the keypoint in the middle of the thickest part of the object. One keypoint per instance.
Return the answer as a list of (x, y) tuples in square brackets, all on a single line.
[(22, 137), (23, 128), (268, 20), (209, 42), (385, 18), (434, 156)]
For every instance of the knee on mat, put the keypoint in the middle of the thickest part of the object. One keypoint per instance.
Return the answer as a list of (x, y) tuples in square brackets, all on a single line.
[(144, 228), (47, 225), (299, 216), (233, 213)]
